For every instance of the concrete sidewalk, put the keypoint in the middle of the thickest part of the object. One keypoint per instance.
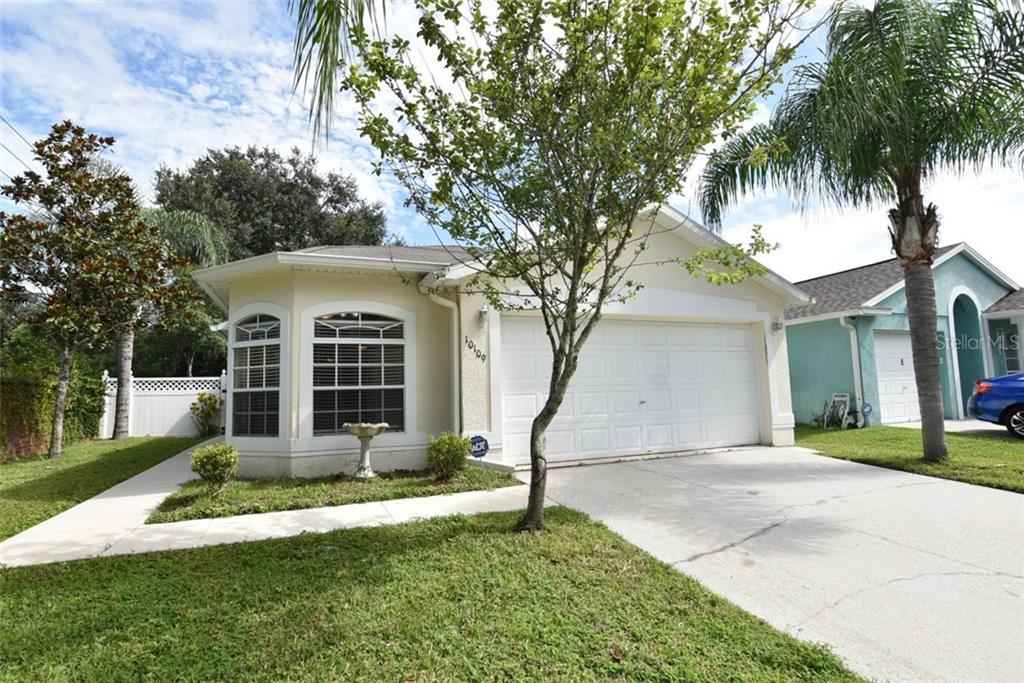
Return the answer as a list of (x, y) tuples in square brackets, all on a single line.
[(114, 522)]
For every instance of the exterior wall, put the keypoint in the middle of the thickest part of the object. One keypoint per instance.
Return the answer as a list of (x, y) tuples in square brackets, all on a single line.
[(296, 452), (670, 293), (954, 277), (820, 364)]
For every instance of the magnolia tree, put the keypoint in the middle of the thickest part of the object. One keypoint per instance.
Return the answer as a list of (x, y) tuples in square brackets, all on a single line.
[(545, 129), (82, 248)]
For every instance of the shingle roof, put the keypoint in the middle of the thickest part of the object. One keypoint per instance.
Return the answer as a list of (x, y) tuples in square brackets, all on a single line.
[(443, 255), (1014, 301), (850, 289)]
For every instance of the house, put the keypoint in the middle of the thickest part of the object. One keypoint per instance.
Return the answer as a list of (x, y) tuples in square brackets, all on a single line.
[(330, 335), (854, 337)]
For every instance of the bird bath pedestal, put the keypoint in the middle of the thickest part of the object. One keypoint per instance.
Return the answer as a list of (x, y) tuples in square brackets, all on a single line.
[(364, 431)]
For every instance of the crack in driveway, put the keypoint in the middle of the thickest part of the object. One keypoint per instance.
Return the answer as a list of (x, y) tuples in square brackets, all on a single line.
[(760, 532), (888, 582)]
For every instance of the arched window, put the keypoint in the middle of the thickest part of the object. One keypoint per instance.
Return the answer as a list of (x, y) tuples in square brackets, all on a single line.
[(358, 371), (256, 375)]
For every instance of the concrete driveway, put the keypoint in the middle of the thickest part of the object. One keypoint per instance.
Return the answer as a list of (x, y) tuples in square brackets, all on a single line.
[(908, 578)]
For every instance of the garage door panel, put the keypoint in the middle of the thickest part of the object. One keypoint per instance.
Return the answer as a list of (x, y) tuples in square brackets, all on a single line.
[(520, 406), (625, 403), (654, 366), (623, 366), (897, 388), (592, 404), (641, 388), (686, 400), (658, 400), (592, 367), (627, 439), (652, 335)]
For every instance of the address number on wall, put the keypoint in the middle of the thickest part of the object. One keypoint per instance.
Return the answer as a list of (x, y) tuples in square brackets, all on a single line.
[(471, 345)]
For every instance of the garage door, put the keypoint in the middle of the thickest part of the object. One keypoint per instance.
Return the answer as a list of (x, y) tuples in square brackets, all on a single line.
[(897, 390), (641, 387)]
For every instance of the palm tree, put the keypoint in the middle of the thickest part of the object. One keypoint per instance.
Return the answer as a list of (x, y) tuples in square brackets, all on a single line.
[(907, 89), (191, 235)]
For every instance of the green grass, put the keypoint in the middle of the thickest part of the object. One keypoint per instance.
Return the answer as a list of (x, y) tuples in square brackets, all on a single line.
[(450, 599), (243, 497), (34, 489), (989, 459)]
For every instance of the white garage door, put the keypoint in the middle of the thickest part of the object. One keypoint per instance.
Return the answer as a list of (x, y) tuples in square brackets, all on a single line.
[(897, 390), (641, 387)]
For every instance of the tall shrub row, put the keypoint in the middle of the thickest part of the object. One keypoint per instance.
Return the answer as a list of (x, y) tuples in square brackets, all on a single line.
[(27, 385)]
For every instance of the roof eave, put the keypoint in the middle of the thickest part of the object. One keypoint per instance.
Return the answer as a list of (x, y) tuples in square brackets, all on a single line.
[(847, 313)]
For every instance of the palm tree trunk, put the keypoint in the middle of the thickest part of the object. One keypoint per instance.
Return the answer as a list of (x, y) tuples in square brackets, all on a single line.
[(920, 291), (914, 230), (122, 407), (63, 380)]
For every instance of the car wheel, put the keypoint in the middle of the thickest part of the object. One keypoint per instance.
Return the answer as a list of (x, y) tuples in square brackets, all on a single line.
[(1015, 422)]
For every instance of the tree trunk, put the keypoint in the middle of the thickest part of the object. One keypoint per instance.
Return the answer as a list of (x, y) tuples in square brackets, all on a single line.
[(63, 379), (914, 232), (533, 518), (122, 402), (189, 359)]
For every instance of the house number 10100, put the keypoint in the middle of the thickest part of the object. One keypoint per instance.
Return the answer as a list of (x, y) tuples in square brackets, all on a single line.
[(471, 345)]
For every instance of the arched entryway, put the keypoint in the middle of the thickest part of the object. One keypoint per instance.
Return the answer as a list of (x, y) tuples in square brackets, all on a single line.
[(968, 344)]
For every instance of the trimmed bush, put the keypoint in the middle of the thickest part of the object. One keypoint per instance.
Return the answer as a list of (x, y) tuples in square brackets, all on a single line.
[(447, 454), (206, 413), (215, 464)]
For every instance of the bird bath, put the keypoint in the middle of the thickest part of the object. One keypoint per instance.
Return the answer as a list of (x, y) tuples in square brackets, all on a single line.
[(364, 431)]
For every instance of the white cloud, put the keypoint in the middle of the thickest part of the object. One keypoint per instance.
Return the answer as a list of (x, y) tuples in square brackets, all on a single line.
[(172, 80)]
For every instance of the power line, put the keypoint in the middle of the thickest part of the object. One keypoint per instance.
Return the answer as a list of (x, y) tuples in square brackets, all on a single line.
[(16, 131), (15, 156)]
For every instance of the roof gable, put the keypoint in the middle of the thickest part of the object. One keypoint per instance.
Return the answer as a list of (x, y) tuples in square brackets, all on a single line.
[(868, 286)]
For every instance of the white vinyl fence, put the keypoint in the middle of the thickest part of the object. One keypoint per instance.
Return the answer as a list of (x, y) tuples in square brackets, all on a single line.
[(159, 406)]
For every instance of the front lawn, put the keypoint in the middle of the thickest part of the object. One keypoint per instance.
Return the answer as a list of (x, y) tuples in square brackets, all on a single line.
[(243, 497), (453, 599), (34, 489), (990, 459)]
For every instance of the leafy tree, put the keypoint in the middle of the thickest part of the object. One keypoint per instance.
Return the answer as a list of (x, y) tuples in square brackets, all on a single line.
[(183, 344), (266, 202), (564, 123), (86, 252), (908, 88)]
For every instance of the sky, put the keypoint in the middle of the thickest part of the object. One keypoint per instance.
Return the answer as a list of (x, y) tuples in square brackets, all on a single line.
[(170, 80)]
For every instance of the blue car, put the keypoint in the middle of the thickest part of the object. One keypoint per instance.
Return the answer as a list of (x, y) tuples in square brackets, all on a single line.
[(1000, 400)]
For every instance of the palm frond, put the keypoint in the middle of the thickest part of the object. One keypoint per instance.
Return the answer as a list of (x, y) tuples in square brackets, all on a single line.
[(323, 45), (191, 235)]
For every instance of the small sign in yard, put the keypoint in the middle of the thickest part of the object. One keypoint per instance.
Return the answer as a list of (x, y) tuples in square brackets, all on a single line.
[(478, 446)]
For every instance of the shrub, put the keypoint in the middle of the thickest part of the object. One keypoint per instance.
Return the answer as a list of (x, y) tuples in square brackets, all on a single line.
[(447, 454), (206, 413), (215, 464), (29, 362)]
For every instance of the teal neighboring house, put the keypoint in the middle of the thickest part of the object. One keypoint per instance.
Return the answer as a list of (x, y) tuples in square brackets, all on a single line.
[(854, 337)]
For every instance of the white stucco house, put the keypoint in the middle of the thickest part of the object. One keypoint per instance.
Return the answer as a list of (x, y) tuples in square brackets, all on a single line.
[(330, 335)]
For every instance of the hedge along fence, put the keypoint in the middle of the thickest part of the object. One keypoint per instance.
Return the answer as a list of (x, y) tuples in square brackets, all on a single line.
[(26, 413), (28, 383)]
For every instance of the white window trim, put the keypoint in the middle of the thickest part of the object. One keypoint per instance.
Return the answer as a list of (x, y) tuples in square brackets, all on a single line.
[(261, 443), (326, 442)]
